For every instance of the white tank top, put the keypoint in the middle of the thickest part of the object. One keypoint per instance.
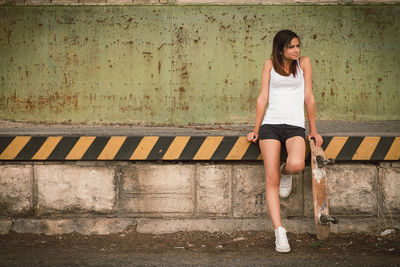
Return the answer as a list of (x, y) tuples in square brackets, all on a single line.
[(286, 99)]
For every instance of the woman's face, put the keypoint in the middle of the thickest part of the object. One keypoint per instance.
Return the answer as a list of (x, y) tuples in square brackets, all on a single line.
[(292, 51)]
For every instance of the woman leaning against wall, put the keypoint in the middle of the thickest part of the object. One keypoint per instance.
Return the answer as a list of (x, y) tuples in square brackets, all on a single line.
[(286, 86)]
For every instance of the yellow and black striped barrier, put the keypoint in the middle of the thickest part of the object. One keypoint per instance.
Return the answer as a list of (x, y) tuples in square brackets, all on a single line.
[(182, 148)]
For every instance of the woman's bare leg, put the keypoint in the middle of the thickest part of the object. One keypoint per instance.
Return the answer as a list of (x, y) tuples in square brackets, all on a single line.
[(270, 150), (296, 150)]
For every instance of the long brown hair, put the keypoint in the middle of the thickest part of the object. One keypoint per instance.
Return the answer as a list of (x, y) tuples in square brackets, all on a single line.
[(281, 40)]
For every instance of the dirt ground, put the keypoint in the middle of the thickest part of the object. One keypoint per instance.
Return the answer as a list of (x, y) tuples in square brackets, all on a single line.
[(198, 249)]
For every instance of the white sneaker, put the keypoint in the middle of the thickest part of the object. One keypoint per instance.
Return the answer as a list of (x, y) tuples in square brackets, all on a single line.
[(285, 184), (281, 242)]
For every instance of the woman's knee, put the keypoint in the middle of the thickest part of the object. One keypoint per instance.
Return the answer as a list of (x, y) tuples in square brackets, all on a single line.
[(294, 165)]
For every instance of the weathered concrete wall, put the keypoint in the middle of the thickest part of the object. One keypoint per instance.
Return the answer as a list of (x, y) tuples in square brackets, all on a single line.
[(16, 186), (74, 188), (181, 65), (101, 198)]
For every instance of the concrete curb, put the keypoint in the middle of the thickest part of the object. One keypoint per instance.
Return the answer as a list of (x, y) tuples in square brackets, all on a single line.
[(105, 226), (5, 226), (84, 226)]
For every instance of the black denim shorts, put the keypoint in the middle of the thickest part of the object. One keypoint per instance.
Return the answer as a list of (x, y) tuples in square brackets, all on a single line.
[(280, 132)]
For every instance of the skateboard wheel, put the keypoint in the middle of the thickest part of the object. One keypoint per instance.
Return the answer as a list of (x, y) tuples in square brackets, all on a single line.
[(325, 219), (320, 161)]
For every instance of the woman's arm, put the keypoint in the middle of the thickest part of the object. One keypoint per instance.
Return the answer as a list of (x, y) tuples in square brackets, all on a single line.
[(305, 64), (262, 100)]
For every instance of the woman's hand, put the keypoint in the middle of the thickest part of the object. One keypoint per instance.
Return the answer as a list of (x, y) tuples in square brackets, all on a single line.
[(252, 137), (317, 137)]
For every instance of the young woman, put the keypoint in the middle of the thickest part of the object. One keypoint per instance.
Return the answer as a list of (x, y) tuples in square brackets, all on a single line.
[(286, 86)]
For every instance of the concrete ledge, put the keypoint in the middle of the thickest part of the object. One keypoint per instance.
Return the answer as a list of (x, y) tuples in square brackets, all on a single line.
[(5, 226), (43, 226), (166, 197), (85, 226), (358, 225), (353, 128), (104, 226), (208, 225)]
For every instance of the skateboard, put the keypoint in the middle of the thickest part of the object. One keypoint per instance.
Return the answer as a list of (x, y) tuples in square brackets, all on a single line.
[(320, 191)]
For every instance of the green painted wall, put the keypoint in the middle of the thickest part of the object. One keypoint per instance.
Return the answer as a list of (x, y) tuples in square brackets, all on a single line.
[(180, 65)]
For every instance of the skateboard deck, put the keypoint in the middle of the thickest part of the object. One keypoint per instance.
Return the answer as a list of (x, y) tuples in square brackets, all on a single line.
[(320, 191)]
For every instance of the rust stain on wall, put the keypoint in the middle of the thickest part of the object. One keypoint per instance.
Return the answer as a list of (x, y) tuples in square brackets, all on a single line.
[(190, 64), (30, 104)]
